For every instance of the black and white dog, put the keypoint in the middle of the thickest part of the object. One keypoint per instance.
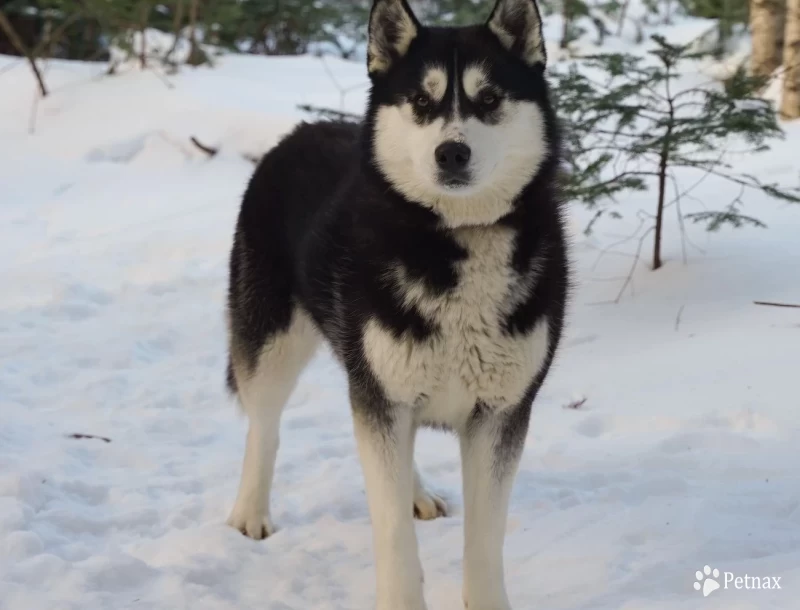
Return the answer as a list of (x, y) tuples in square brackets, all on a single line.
[(427, 247)]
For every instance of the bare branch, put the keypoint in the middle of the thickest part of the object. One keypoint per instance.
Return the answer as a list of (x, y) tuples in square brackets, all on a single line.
[(773, 304), (211, 152), (611, 247), (78, 436), (629, 279), (678, 318), (16, 41)]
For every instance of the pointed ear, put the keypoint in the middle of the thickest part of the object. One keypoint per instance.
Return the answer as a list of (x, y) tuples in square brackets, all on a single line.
[(518, 26), (392, 28)]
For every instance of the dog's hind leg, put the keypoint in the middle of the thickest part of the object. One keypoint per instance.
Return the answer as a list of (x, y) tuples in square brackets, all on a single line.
[(263, 393)]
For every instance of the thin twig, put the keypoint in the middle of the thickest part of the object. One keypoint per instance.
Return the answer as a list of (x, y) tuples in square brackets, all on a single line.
[(337, 115), (206, 149), (678, 318), (629, 279), (681, 223), (48, 43), (343, 91), (89, 436), (37, 95), (211, 152), (576, 403), (773, 304), (162, 78), (12, 35), (611, 247)]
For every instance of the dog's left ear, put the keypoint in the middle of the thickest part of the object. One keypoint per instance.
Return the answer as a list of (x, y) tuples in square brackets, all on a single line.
[(392, 29), (518, 26)]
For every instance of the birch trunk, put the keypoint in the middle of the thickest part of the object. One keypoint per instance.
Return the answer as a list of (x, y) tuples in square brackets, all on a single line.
[(766, 19), (790, 105)]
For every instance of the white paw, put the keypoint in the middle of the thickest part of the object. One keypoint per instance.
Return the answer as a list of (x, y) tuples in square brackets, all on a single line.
[(251, 522), (410, 601), (428, 505), (495, 600), (401, 606), (499, 606)]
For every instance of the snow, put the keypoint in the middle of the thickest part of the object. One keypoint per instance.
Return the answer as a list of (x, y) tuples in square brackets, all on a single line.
[(665, 439)]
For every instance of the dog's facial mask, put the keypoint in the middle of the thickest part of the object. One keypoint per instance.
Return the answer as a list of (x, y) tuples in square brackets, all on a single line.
[(457, 125)]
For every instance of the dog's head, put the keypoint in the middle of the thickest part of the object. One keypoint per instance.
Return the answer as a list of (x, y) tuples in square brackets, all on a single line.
[(459, 118)]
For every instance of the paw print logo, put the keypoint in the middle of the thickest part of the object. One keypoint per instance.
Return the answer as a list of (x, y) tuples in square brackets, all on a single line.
[(707, 581)]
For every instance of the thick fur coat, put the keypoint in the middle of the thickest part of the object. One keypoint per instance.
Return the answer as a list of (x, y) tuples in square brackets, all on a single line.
[(426, 246)]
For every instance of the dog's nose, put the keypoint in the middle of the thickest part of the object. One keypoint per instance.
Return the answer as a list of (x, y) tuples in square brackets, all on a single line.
[(453, 156)]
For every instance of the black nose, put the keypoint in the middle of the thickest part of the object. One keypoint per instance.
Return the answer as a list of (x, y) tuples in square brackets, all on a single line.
[(453, 156)]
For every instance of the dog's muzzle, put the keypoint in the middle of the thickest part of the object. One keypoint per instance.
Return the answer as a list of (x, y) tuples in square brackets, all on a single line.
[(452, 159)]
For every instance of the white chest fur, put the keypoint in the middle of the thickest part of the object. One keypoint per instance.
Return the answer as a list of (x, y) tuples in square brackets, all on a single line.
[(471, 359)]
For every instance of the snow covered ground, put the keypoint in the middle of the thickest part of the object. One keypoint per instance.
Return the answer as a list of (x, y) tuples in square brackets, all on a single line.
[(114, 234)]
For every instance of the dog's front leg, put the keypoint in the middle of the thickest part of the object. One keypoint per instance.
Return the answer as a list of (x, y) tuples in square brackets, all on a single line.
[(491, 447), (385, 438)]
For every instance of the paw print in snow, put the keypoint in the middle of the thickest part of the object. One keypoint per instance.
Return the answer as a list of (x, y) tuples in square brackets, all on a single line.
[(706, 582)]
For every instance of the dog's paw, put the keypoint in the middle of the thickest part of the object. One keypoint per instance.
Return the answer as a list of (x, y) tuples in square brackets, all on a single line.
[(428, 505), (251, 523), (502, 606), (498, 604)]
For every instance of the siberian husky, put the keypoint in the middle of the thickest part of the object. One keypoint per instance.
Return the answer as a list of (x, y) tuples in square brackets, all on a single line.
[(426, 246)]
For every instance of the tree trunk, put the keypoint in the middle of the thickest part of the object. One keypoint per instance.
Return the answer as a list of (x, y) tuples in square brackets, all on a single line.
[(663, 164), (142, 50), (177, 25), (662, 190), (790, 106), (623, 13), (196, 54), (193, 23), (780, 34), (566, 32), (724, 29), (766, 17), (145, 18)]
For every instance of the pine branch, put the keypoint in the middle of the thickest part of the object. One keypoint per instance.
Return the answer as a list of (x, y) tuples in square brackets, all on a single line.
[(629, 122)]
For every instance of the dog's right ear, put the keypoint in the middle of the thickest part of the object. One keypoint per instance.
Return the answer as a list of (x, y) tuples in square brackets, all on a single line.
[(392, 28), (518, 26)]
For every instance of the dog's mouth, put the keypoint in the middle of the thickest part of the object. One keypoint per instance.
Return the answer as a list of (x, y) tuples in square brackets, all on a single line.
[(454, 182)]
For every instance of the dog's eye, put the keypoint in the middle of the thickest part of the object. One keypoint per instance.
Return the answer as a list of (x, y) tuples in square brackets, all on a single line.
[(421, 101), (490, 101)]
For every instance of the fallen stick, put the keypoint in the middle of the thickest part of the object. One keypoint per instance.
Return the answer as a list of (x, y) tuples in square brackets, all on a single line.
[(211, 152), (772, 304), (89, 436), (206, 149), (331, 114), (678, 318), (576, 403)]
